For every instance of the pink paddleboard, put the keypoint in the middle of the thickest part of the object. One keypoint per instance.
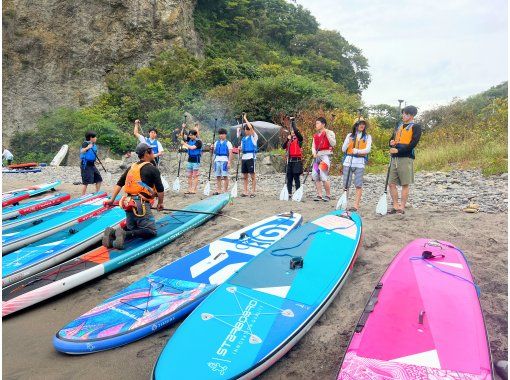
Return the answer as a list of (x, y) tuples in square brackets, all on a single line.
[(423, 321)]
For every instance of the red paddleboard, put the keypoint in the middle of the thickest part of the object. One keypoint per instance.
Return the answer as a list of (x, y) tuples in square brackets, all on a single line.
[(23, 165), (423, 321)]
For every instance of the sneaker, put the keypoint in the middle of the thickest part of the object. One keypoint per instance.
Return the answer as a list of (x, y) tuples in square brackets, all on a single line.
[(108, 237), (120, 237), (317, 198), (326, 198)]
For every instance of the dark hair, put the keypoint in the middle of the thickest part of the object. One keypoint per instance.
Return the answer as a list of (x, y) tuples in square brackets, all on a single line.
[(153, 129), (222, 131), (322, 120), (193, 133), (355, 126), (89, 135), (410, 110)]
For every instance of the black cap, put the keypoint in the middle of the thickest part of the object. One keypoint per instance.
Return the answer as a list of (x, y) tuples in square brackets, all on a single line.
[(141, 149), (410, 110)]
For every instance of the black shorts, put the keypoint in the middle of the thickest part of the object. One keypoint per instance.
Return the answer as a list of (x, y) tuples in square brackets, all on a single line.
[(90, 175), (248, 166)]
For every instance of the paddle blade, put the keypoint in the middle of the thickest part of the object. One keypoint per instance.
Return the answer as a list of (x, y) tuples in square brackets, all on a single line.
[(342, 202), (284, 194), (177, 185), (382, 205), (298, 195), (207, 189), (165, 183), (233, 192)]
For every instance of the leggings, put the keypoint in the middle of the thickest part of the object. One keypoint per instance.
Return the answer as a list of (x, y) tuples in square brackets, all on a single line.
[(294, 170), (295, 177)]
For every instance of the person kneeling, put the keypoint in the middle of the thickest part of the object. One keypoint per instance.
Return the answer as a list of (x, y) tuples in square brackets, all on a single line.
[(142, 183)]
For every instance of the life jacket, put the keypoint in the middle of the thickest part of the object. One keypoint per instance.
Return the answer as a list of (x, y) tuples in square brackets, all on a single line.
[(153, 144), (194, 152), (221, 148), (133, 187), (294, 149), (358, 144), (89, 155), (321, 142), (404, 135), (247, 145)]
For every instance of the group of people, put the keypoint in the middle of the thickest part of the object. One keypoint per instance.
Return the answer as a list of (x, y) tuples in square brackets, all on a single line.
[(142, 181)]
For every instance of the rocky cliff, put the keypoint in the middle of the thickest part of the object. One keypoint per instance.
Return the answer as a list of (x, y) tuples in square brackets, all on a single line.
[(57, 52)]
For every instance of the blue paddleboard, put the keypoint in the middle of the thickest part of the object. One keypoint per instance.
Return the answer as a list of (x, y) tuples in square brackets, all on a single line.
[(164, 296), (257, 315)]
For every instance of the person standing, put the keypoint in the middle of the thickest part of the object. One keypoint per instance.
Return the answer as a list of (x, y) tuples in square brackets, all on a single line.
[(151, 141), (356, 147), (249, 153), (88, 155), (142, 184), (222, 150), (293, 146), (194, 146), (404, 140), (322, 148), (7, 155)]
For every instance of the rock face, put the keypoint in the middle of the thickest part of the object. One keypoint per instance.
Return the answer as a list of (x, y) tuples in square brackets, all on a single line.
[(56, 53)]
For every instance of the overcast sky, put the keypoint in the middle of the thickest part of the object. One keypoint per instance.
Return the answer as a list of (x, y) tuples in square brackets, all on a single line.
[(426, 52)]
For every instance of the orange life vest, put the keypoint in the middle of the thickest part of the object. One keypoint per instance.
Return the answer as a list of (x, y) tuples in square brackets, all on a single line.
[(358, 144), (404, 135), (132, 185)]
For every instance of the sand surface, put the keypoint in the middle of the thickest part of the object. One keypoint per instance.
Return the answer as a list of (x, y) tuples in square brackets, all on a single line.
[(27, 336)]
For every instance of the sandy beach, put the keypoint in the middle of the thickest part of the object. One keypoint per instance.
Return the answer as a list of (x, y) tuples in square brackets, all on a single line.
[(27, 336)]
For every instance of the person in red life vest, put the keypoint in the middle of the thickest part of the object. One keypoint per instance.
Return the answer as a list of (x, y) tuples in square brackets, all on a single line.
[(88, 155), (322, 148), (293, 146), (356, 147), (142, 183), (249, 151), (194, 147), (402, 144)]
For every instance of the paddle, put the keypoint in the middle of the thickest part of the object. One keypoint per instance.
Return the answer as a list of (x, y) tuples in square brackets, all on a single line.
[(207, 188), (382, 205), (165, 183), (233, 192), (284, 194), (177, 183), (342, 202), (108, 174), (199, 212)]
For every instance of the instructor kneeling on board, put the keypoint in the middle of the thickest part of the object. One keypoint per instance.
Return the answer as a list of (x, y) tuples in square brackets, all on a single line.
[(142, 182)]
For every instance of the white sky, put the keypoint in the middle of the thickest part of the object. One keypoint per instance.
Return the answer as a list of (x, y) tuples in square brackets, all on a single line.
[(426, 52)]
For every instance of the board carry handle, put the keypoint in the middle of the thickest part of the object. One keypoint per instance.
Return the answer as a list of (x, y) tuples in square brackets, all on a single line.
[(374, 297)]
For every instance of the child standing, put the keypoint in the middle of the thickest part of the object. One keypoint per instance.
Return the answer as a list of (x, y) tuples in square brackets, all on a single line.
[(322, 148), (194, 146), (88, 155), (356, 145), (249, 151), (222, 150)]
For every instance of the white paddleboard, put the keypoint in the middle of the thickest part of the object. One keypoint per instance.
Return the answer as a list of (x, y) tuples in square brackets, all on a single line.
[(60, 155)]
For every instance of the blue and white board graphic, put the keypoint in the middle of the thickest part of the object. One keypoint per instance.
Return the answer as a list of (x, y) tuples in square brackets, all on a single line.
[(164, 296), (259, 313), (58, 247)]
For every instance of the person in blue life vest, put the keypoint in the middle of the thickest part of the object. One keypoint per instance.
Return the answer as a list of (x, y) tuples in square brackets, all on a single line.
[(151, 141), (404, 140), (248, 158), (356, 147), (322, 149), (293, 146), (142, 185), (222, 158), (194, 147), (88, 155)]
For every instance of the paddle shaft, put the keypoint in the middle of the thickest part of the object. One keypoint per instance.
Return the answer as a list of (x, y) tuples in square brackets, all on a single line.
[(97, 158), (199, 212), (212, 152), (238, 151), (391, 157), (180, 150)]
